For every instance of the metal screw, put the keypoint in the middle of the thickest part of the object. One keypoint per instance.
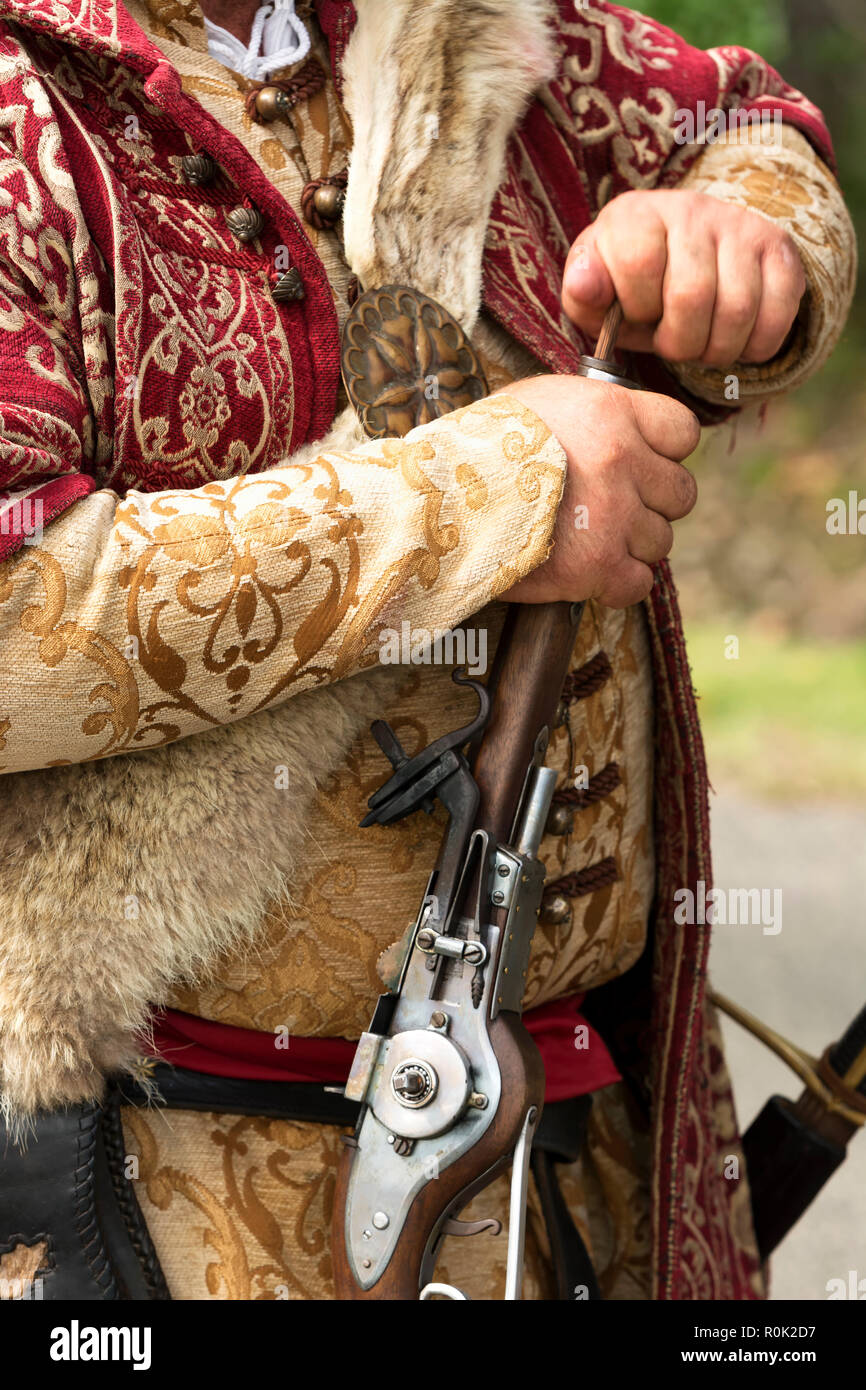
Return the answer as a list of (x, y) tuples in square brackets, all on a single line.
[(366, 1264), (478, 1100), (438, 1020), (503, 871), (380, 1220), (499, 896)]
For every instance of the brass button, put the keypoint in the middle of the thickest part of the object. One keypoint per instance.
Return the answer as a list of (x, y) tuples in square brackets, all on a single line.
[(322, 201), (198, 169), (555, 909), (328, 202), (245, 223), (560, 821), (270, 103), (288, 286)]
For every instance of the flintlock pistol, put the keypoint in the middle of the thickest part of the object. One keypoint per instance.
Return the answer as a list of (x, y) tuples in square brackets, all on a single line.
[(450, 1083)]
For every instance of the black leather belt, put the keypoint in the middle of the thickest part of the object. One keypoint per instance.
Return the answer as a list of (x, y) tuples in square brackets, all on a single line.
[(179, 1089)]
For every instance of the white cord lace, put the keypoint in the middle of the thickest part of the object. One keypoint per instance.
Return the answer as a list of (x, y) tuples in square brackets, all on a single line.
[(278, 39)]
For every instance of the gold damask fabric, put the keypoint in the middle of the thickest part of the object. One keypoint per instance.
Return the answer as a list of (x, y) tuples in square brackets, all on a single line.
[(240, 1207), (315, 972), (175, 611)]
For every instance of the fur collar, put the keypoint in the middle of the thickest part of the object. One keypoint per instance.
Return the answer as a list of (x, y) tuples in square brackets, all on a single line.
[(434, 91)]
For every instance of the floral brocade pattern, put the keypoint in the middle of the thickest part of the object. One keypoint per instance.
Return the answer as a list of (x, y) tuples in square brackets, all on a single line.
[(240, 1207), (316, 974), (286, 578)]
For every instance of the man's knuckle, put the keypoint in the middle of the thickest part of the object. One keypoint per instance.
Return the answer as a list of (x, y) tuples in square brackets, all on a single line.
[(736, 310), (684, 297), (689, 429), (640, 260)]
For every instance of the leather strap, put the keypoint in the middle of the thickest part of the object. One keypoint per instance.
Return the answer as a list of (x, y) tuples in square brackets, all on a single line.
[(560, 1138), (180, 1089)]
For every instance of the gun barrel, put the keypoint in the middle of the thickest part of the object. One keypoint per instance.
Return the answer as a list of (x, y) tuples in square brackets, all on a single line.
[(535, 811)]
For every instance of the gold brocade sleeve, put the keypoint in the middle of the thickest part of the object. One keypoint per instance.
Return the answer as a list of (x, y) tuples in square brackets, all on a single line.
[(141, 620), (773, 170)]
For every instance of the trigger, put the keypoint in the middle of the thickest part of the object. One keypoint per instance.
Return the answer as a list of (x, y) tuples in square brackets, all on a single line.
[(453, 1227)]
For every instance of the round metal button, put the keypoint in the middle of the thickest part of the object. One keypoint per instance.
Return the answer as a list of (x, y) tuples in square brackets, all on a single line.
[(328, 202), (560, 821), (271, 103), (198, 169), (245, 223), (288, 286), (555, 909), (380, 1220)]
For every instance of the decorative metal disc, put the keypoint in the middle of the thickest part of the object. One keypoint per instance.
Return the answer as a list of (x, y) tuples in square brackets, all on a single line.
[(405, 361)]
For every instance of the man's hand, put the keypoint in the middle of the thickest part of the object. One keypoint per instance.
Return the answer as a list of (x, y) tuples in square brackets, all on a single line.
[(699, 280), (624, 486)]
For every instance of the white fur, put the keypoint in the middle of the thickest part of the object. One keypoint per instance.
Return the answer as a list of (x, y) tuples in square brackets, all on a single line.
[(434, 91)]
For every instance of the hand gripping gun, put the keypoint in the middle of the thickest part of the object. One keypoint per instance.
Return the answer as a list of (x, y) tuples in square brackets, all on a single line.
[(450, 1084)]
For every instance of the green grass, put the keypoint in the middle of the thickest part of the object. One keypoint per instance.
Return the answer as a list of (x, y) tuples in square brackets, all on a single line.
[(787, 718)]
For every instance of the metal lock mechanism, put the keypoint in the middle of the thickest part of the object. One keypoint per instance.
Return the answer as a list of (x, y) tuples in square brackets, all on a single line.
[(429, 1085), (414, 1083)]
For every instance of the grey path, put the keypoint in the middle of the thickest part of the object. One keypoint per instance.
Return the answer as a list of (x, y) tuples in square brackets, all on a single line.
[(808, 982)]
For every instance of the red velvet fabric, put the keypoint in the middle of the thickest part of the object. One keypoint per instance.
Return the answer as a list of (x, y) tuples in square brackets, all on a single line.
[(576, 1060)]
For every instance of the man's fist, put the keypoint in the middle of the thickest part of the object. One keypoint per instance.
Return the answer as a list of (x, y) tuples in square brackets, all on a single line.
[(624, 486), (699, 280)]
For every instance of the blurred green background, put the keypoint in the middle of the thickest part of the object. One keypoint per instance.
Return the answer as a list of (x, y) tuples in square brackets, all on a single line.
[(787, 717)]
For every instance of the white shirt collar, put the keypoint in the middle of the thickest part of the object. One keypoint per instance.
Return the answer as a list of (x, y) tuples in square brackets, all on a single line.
[(278, 39)]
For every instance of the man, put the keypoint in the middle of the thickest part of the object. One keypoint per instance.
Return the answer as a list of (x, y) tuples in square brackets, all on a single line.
[(206, 566)]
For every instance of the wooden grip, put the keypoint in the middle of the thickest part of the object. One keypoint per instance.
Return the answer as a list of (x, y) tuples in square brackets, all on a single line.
[(532, 662)]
